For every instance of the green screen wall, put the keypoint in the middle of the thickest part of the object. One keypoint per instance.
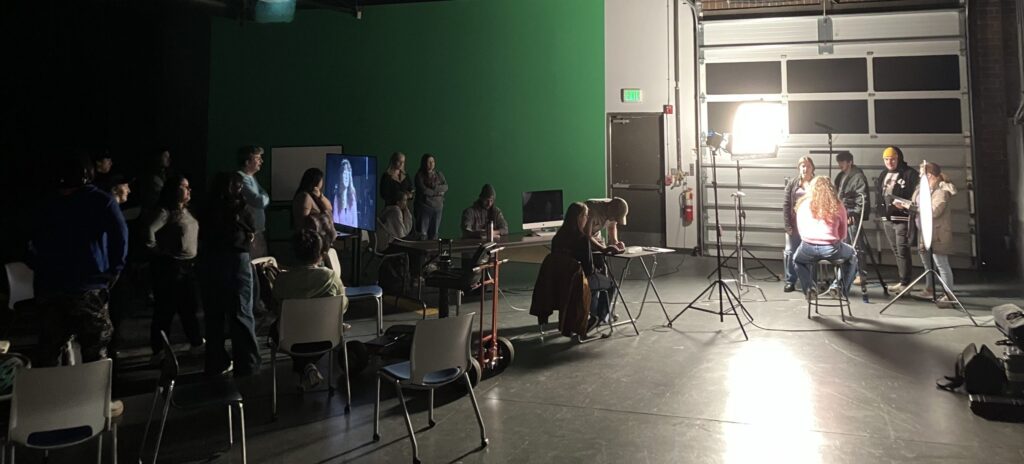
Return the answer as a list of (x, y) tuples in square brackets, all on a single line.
[(508, 92)]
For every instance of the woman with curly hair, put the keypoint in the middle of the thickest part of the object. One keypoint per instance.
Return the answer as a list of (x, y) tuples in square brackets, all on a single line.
[(821, 219)]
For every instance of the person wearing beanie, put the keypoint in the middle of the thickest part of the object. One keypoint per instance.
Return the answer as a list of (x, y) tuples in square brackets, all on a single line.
[(482, 215), (893, 189), (851, 184)]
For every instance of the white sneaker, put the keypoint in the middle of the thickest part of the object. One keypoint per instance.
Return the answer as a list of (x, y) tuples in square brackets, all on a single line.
[(895, 288), (311, 378), (116, 408)]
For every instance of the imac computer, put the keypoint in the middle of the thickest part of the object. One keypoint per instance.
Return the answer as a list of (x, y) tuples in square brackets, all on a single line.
[(542, 212), (350, 183)]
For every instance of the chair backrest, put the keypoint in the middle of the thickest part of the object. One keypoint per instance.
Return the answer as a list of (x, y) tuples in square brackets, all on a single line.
[(169, 365), (310, 325), (19, 280), (333, 260), (53, 407), (440, 344)]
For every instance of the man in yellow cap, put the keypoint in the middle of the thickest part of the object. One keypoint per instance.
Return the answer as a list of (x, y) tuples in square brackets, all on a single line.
[(894, 187)]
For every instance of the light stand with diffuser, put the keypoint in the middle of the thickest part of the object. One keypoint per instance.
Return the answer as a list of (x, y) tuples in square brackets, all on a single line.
[(924, 202)]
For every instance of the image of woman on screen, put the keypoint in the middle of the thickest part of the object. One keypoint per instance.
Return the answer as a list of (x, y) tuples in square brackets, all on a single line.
[(345, 209)]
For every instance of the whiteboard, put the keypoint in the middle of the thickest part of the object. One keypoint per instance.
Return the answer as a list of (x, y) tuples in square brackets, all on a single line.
[(288, 163)]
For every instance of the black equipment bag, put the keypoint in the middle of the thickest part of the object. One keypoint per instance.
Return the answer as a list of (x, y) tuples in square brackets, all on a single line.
[(979, 371)]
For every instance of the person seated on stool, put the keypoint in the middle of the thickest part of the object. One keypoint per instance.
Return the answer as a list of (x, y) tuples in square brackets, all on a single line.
[(821, 219), (574, 238), (309, 279), (942, 232), (484, 215), (607, 214)]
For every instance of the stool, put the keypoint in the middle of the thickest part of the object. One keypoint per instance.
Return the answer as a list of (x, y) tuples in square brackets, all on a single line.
[(842, 301)]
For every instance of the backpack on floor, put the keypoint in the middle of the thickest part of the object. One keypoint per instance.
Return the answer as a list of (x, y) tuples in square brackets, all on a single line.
[(978, 371)]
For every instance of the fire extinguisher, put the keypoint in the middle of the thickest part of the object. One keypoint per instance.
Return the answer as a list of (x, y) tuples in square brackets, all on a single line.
[(686, 200)]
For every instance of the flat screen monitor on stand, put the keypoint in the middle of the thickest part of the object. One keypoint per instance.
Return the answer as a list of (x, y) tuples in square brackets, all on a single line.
[(350, 183), (542, 212)]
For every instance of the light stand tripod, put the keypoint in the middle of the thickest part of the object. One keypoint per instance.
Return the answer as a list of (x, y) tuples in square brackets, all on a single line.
[(724, 292), (925, 214), (741, 220)]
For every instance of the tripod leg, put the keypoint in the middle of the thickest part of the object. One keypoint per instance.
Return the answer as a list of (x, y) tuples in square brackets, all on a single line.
[(907, 289), (724, 264), (956, 300), (762, 265), (690, 304), (736, 307)]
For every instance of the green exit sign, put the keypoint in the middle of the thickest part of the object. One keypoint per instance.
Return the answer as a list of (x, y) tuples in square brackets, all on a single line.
[(632, 96)]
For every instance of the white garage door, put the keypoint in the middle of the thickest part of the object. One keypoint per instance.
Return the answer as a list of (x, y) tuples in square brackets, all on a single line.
[(878, 80)]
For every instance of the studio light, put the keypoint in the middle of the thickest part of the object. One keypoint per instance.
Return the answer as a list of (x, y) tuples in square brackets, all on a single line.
[(758, 128)]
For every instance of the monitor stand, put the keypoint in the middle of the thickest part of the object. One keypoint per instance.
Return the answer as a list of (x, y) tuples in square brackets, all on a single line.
[(543, 232)]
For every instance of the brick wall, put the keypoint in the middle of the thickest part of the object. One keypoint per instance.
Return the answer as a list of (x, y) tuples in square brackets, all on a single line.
[(995, 95)]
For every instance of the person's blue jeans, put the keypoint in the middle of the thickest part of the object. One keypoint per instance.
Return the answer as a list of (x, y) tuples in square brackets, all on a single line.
[(806, 262), (602, 291), (228, 299), (788, 271), (428, 221)]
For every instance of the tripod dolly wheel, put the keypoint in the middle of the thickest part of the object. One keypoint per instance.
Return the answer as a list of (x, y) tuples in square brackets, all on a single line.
[(506, 353)]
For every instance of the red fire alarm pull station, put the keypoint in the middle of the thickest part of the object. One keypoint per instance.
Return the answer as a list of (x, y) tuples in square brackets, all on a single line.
[(667, 109)]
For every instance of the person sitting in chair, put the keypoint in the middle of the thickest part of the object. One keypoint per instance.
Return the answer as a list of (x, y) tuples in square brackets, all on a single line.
[(821, 219), (308, 279), (575, 238), (484, 215), (607, 214)]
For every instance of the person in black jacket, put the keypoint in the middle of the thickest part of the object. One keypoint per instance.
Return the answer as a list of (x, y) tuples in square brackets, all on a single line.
[(795, 189), (893, 189), (851, 184)]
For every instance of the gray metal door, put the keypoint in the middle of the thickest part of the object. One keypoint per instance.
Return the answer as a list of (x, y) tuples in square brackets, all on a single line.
[(635, 160)]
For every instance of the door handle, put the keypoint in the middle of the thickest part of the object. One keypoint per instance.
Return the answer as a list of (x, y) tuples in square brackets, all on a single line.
[(637, 186)]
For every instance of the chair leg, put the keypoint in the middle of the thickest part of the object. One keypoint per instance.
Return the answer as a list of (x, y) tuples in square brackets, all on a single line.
[(231, 428), (163, 422), (380, 315), (376, 413), (99, 449), (273, 383), (241, 428), (348, 383), (113, 447), (145, 433), (476, 408), (330, 373), (430, 408), (408, 423)]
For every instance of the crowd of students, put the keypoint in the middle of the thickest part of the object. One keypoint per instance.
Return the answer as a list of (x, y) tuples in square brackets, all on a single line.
[(822, 217)]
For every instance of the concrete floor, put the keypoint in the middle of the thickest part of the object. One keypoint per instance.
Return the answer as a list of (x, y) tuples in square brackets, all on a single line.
[(799, 391)]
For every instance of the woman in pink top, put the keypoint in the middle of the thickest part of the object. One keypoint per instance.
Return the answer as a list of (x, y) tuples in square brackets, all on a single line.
[(821, 219)]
